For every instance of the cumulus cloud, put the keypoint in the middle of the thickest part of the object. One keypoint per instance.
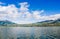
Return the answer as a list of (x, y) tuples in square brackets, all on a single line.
[(37, 14), (23, 14), (24, 6)]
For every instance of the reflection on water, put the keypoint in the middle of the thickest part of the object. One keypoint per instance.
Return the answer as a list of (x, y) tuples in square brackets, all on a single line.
[(30, 33)]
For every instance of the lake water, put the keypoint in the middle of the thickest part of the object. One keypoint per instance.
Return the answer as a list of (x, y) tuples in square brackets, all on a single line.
[(29, 32)]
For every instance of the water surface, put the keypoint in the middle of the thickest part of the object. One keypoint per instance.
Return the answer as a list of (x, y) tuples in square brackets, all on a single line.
[(30, 33)]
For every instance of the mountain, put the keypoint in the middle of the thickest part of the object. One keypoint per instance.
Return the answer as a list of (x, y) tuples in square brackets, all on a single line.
[(5, 22), (56, 21), (52, 21), (46, 23), (38, 24), (49, 23)]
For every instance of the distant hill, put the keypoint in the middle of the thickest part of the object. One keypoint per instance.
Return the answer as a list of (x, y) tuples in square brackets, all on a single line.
[(49, 23), (38, 24), (5, 22)]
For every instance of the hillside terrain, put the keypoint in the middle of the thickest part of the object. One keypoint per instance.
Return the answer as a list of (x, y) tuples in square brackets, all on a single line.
[(48, 23), (5, 23), (38, 24)]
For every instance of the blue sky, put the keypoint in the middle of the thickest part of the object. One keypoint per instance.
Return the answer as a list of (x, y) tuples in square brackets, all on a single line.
[(37, 4), (40, 8)]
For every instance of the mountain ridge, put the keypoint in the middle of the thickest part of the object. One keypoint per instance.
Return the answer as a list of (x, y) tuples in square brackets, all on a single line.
[(37, 24), (5, 22)]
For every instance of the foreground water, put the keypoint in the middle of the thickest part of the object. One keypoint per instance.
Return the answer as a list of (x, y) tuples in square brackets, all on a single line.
[(30, 33)]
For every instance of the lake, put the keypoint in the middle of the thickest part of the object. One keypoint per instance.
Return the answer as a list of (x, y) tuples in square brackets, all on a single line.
[(29, 32)]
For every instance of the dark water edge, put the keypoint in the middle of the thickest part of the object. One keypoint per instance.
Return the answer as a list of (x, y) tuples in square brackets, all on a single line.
[(29, 32)]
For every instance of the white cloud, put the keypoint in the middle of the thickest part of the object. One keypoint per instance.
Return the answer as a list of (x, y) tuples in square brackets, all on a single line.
[(23, 14), (24, 6), (2, 8), (37, 14)]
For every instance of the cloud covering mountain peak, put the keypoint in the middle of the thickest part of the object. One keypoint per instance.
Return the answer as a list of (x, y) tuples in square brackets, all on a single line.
[(23, 14)]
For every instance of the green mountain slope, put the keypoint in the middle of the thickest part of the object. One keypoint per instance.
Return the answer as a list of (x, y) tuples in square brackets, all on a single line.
[(38, 24), (49, 23), (5, 22)]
